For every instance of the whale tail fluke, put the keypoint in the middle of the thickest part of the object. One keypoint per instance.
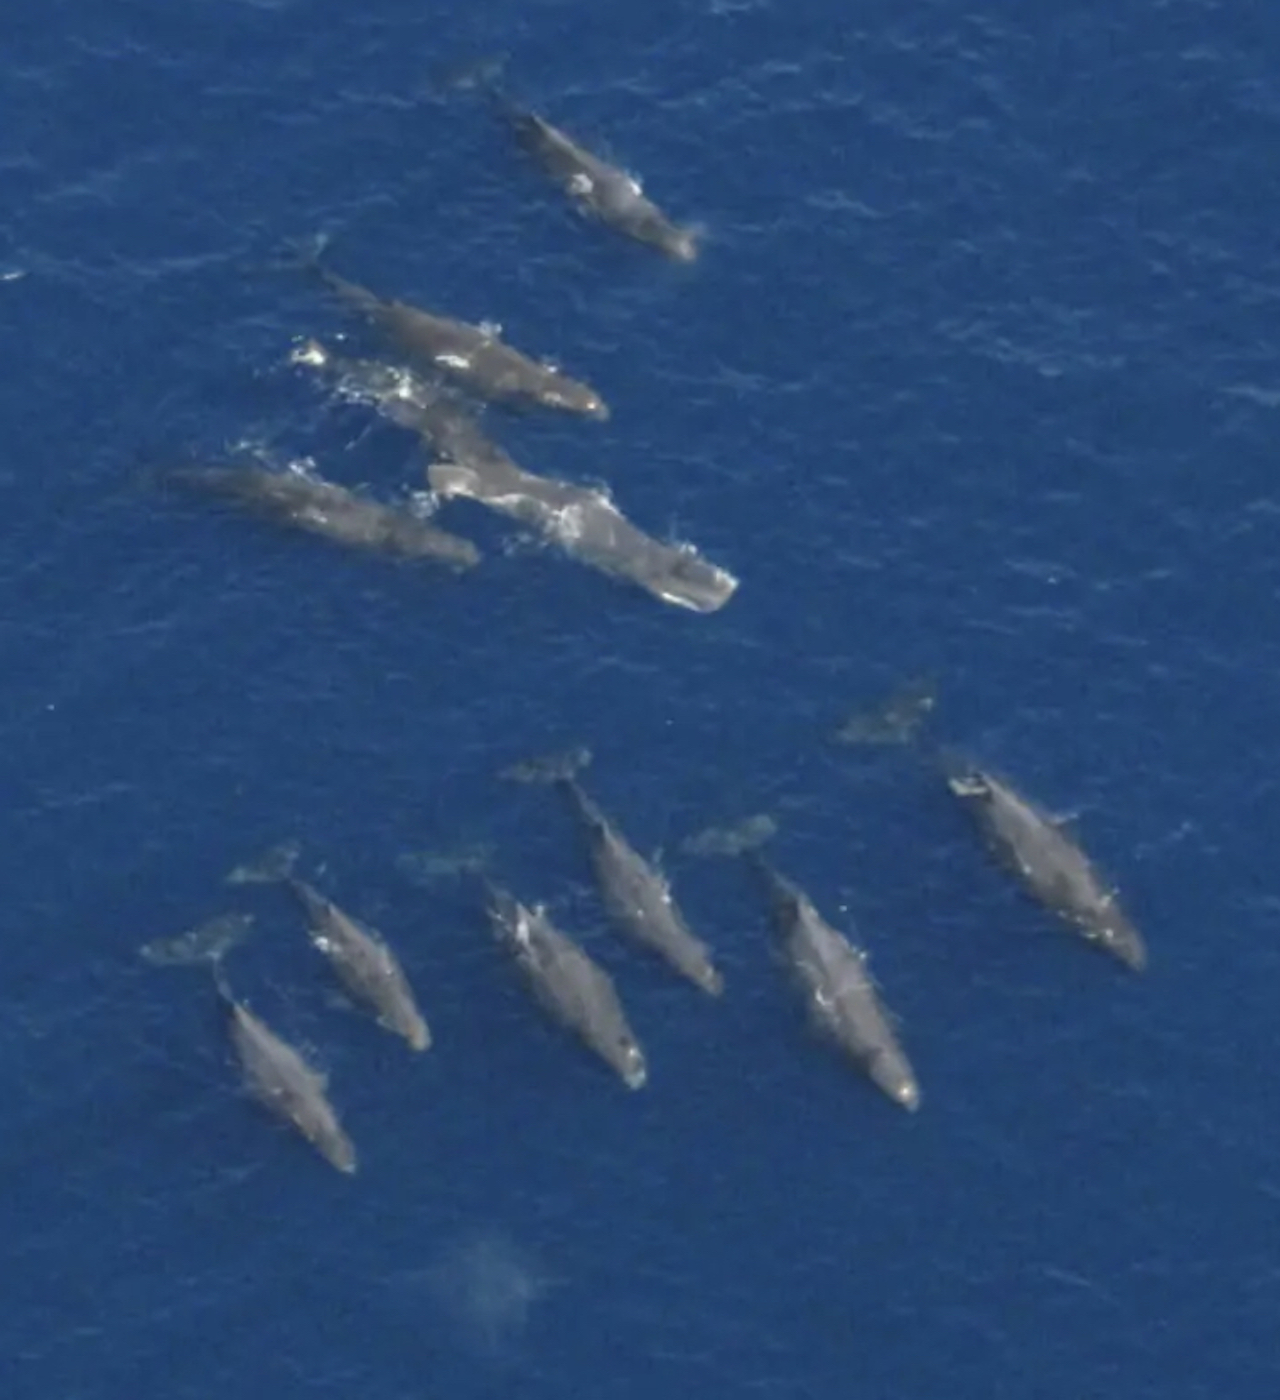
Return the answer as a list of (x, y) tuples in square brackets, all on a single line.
[(903, 719), (744, 838), (158, 467), (275, 865), (225, 992), (304, 253), (207, 942), (291, 255), (898, 719), (428, 868), (501, 907), (221, 985), (475, 75), (561, 766), (485, 77), (491, 892)]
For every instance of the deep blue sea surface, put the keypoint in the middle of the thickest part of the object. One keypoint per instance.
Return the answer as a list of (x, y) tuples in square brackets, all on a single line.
[(978, 375)]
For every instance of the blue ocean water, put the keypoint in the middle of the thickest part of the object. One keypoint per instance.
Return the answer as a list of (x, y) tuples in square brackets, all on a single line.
[(977, 375)]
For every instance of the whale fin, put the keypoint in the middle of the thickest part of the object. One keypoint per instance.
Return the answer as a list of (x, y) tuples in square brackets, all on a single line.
[(557, 767), (339, 1001), (277, 864)]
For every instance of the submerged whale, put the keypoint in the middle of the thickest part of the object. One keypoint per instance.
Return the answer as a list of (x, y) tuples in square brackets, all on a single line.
[(568, 984), (636, 893), (597, 188), (284, 1082), (320, 507), (370, 970), (475, 356), (404, 397), (834, 979), (1048, 861), (587, 525)]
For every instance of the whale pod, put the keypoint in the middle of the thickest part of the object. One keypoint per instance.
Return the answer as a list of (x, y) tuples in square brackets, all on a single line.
[(404, 397), (582, 520)]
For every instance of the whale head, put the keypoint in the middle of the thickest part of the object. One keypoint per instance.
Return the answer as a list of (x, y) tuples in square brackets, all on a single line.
[(309, 352), (575, 398), (690, 581), (681, 244), (891, 1073), (625, 1055), (1110, 928)]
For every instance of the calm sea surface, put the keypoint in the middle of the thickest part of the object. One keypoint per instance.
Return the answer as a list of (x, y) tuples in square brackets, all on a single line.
[(978, 376)]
